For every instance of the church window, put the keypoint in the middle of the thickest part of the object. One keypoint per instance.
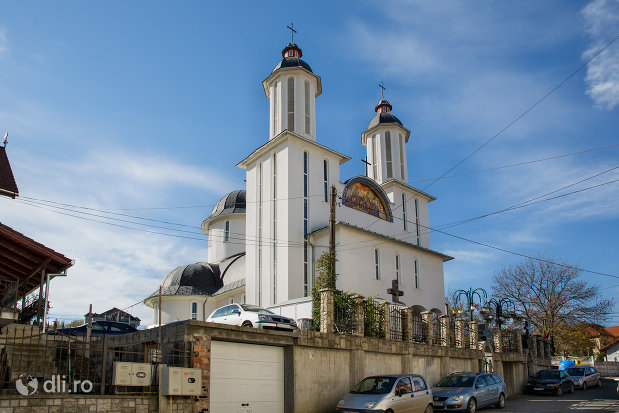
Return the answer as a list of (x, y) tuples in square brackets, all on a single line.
[(227, 232), (375, 157), (194, 311), (291, 103), (275, 108), (325, 178), (210, 237), (388, 150), (417, 221), (416, 267), (305, 224), (377, 263), (307, 106), (274, 235), (397, 268), (402, 171), (404, 217), (259, 261)]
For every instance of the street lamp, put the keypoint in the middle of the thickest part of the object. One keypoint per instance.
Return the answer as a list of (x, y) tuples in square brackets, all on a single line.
[(500, 308), (470, 295)]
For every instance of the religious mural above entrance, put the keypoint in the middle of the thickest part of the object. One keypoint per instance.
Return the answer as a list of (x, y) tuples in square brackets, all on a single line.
[(364, 195)]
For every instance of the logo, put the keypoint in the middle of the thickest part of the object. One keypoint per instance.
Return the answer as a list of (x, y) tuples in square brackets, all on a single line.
[(26, 385)]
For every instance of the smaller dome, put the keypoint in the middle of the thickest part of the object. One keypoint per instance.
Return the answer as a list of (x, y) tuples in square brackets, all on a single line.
[(194, 279), (232, 203), (383, 118), (293, 62)]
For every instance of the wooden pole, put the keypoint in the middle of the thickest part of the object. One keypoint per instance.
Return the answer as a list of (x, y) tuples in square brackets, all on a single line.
[(40, 294)]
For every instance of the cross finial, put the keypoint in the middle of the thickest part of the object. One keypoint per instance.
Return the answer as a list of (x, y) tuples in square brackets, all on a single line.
[(382, 90), (292, 31)]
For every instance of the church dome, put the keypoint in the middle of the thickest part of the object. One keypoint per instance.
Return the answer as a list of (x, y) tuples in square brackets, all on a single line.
[(232, 203), (383, 114), (292, 58), (194, 279)]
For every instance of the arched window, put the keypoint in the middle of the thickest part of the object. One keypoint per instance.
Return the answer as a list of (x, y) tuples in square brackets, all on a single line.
[(397, 269), (291, 103), (377, 263), (194, 311), (325, 178), (404, 216), (416, 269), (389, 158), (306, 286), (275, 108), (227, 232), (307, 106), (375, 157), (417, 222)]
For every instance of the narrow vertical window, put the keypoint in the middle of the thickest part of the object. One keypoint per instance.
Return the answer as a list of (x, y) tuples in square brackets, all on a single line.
[(325, 179), (306, 287), (404, 216), (417, 222), (402, 169), (274, 228), (397, 269), (377, 263), (388, 150), (291, 103), (275, 108), (194, 311), (210, 237), (227, 232), (375, 157), (416, 266), (259, 263), (307, 106)]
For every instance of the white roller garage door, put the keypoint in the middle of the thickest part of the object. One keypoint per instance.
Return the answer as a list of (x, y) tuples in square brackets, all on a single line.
[(246, 378)]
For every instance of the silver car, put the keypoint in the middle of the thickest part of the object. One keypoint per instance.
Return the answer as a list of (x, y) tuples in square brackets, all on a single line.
[(395, 393), (468, 391), (246, 315), (584, 377)]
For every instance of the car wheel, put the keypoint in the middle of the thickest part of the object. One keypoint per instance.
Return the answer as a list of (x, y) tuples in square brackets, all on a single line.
[(429, 409), (559, 391), (247, 324), (471, 406), (501, 403), (571, 388), (584, 385)]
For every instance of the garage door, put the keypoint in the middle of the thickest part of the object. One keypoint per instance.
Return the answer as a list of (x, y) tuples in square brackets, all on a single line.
[(246, 378)]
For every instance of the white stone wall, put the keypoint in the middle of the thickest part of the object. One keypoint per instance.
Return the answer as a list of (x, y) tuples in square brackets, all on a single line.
[(218, 249)]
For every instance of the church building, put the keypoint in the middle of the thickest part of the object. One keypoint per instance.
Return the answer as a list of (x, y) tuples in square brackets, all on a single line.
[(264, 241)]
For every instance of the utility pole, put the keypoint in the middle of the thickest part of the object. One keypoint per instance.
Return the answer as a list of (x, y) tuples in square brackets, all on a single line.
[(332, 228)]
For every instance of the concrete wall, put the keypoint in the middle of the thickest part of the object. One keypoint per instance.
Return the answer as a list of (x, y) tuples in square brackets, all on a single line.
[(88, 404)]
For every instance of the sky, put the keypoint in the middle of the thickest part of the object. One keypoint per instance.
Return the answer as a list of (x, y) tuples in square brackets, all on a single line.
[(144, 108)]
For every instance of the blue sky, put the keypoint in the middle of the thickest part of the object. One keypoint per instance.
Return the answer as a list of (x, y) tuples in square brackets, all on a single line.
[(132, 105)]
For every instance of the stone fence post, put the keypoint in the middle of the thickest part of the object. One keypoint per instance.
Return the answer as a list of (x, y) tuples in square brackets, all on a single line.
[(497, 341), (473, 337), (407, 324), (443, 322), (359, 316), (518, 338), (387, 325), (428, 326), (459, 333), (327, 310)]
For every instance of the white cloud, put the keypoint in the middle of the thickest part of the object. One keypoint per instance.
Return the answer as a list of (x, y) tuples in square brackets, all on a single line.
[(601, 18)]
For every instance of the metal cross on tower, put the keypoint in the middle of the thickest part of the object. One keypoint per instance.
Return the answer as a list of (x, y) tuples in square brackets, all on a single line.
[(382, 90), (365, 161), (292, 31)]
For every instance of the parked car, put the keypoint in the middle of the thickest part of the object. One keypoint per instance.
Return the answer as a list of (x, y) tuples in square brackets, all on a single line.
[(550, 381), (98, 328), (251, 316), (584, 377), (397, 393), (465, 391)]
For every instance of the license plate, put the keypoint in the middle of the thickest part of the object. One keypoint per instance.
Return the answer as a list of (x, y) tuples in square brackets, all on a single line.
[(439, 404), (538, 389)]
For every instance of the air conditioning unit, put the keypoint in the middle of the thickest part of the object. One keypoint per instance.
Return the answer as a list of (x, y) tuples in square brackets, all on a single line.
[(181, 381), (131, 374)]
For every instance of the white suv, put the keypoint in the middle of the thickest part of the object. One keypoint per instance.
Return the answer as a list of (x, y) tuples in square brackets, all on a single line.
[(251, 316)]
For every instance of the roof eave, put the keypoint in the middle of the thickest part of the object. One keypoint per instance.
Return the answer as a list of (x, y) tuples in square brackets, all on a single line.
[(267, 81), (420, 192)]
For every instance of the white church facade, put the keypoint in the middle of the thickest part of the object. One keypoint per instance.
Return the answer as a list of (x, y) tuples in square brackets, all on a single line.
[(264, 241)]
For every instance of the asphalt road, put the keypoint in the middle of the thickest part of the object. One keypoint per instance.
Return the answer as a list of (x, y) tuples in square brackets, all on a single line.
[(602, 400)]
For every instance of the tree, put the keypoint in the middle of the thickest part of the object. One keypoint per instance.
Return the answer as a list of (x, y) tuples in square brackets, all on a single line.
[(326, 279), (551, 296)]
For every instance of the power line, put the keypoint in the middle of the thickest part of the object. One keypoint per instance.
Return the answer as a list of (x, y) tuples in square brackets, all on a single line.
[(523, 113)]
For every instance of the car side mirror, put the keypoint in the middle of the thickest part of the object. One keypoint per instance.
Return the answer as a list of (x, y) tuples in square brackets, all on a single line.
[(236, 312), (477, 386)]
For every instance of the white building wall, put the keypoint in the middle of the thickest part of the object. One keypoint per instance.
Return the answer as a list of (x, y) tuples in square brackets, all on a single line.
[(218, 248)]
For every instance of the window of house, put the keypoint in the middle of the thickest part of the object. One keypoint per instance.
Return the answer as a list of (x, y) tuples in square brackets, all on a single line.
[(417, 222), (194, 311), (227, 232), (377, 263), (397, 268), (307, 106), (275, 108), (325, 178), (291, 103), (388, 150), (404, 216), (402, 171), (375, 157), (306, 286), (416, 274)]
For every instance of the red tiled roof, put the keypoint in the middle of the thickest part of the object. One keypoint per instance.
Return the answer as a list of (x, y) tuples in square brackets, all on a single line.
[(613, 330), (8, 187), (609, 346)]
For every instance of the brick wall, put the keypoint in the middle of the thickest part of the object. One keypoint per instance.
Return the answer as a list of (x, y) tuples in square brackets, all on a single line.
[(89, 404)]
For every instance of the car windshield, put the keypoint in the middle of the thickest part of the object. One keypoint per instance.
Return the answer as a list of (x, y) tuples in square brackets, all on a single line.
[(374, 385), (256, 309), (456, 381), (547, 374), (576, 371)]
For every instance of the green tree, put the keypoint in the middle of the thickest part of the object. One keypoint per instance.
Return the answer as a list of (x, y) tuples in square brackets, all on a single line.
[(327, 278)]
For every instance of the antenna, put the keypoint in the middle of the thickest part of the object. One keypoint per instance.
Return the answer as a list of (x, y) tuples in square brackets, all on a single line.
[(6, 140)]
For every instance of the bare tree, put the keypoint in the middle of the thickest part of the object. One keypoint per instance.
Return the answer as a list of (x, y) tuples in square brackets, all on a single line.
[(550, 295)]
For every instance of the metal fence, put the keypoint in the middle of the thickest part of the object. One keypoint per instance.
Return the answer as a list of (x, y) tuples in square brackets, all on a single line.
[(418, 331), (508, 343), (373, 319), (436, 330), (345, 314), (27, 354), (467, 335), (395, 321)]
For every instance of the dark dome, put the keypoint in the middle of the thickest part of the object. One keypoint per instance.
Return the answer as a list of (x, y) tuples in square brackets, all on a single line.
[(194, 279), (233, 203), (293, 62), (384, 117)]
